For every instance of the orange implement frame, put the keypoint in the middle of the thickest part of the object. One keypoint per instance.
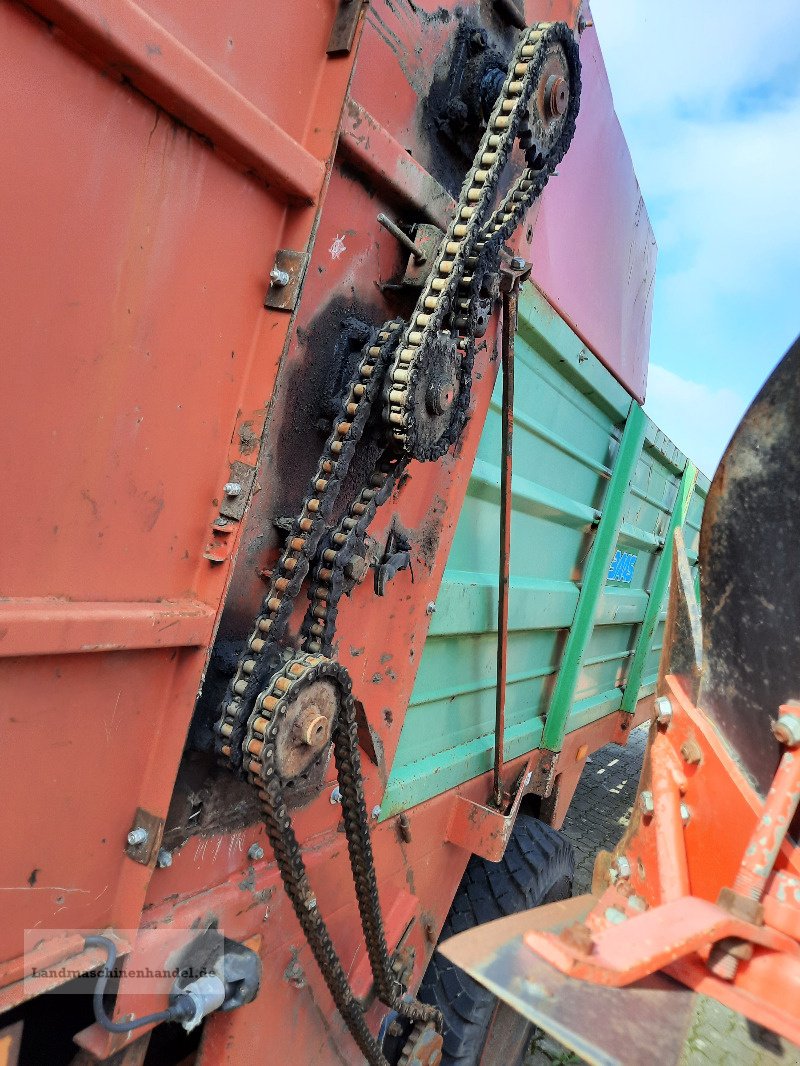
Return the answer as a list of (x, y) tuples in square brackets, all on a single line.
[(668, 905)]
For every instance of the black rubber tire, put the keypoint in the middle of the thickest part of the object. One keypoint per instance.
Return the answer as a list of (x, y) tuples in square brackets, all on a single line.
[(537, 868)]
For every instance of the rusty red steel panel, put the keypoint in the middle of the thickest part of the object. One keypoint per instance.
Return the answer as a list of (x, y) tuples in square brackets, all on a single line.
[(139, 358)]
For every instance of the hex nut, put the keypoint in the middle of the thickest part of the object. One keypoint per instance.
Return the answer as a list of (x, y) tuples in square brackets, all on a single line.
[(336, 795), (255, 852), (686, 814), (164, 858), (663, 710), (646, 804), (623, 866), (787, 730), (691, 751)]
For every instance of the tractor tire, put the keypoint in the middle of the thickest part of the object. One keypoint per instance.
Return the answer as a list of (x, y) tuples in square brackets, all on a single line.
[(537, 868)]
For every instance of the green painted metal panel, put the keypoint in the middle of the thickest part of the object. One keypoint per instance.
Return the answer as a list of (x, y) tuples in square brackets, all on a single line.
[(592, 477)]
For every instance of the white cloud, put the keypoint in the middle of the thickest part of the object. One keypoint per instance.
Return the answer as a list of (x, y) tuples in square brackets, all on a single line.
[(699, 419)]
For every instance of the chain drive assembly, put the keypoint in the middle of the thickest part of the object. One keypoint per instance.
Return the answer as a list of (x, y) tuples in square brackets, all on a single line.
[(538, 106), (284, 708)]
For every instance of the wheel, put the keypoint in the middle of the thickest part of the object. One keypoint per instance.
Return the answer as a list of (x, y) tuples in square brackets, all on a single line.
[(537, 868)]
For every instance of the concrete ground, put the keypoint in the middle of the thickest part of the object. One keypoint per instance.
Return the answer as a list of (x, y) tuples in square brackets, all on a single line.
[(600, 811)]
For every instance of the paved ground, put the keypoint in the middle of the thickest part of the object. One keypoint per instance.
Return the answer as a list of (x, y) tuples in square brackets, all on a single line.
[(597, 817)]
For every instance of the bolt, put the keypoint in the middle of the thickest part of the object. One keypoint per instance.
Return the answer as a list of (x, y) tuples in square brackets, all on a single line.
[(430, 609), (691, 751), (787, 730), (518, 263), (615, 916), (584, 24), (279, 277), (376, 813), (623, 866), (137, 836), (686, 814), (232, 488), (164, 858), (255, 852), (336, 795), (646, 803), (663, 710), (404, 826)]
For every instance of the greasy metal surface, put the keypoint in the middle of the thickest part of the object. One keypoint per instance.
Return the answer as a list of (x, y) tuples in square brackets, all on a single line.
[(636, 1026), (570, 416), (750, 575)]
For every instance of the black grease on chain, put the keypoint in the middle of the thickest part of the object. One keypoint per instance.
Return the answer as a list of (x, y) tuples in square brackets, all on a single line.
[(480, 227)]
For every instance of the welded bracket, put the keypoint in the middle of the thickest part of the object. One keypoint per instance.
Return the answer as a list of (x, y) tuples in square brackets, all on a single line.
[(483, 830)]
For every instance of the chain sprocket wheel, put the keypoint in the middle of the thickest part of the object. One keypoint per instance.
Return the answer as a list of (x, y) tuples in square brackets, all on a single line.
[(262, 647), (539, 105), (300, 678), (423, 1047), (331, 576), (294, 719)]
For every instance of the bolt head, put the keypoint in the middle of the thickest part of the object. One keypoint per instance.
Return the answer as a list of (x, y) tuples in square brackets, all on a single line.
[(255, 852), (646, 804), (663, 710), (787, 730), (232, 488), (137, 836), (686, 814), (279, 277), (164, 858), (430, 609), (692, 752), (336, 795), (623, 866), (376, 813)]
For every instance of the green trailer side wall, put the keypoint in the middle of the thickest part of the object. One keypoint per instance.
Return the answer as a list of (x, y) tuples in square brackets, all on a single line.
[(592, 476)]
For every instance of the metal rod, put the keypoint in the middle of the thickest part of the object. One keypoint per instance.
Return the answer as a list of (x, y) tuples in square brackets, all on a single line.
[(509, 329), (404, 238)]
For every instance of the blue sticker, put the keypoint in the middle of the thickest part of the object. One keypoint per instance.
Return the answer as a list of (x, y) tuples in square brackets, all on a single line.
[(622, 566)]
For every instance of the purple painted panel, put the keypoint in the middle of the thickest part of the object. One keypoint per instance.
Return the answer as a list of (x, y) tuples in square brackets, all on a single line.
[(594, 253)]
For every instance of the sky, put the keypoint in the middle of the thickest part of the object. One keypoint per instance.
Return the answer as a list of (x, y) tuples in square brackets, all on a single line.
[(708, 95)]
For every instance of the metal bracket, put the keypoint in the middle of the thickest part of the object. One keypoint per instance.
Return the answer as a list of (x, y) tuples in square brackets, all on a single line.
[(234, 502), (343, 30), (396, 557), (286, 279), (151, 828), (544, 773), (483, 830)]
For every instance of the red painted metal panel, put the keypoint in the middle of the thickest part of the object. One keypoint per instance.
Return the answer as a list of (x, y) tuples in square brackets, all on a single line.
[(594, 253), (141, 365)]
